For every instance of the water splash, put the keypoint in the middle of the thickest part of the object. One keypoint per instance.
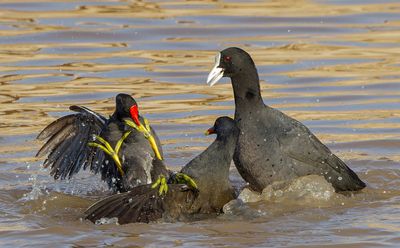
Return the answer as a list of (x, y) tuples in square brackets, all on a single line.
[(106, 221), (37, 191), (311, 189)]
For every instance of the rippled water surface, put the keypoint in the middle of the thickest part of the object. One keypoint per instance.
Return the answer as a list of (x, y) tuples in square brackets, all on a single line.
[(334, 65)]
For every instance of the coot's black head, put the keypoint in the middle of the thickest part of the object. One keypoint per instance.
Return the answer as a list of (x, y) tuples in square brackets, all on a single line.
[(126, 107), (229, 63), (224, 127)]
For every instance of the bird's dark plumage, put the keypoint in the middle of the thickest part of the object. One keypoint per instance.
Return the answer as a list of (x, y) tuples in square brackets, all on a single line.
[(69, 138), (210, 170), (273, 146)]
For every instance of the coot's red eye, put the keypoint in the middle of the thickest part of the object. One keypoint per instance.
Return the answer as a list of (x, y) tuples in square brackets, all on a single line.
[(227, 58)]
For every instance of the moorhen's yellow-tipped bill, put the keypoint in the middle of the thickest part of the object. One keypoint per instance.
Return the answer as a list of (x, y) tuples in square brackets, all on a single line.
[(145, 129), (134, 111)]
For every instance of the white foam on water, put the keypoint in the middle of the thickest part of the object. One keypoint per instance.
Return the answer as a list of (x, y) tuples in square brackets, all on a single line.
[(106, 221), (307, 189)]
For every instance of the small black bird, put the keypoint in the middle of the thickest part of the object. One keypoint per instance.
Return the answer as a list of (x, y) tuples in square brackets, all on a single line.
[(273, 146), (123, 148), (210, 170)]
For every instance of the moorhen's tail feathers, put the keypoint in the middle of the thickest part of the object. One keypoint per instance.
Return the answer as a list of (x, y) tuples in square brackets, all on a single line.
[(67, 142)]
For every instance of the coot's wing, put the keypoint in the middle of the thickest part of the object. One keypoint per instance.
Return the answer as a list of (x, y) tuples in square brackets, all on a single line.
[(142, 204), (67, 137), (300, 144)]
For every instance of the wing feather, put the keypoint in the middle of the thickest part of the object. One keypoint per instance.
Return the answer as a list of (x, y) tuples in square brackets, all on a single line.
[(67, 137)]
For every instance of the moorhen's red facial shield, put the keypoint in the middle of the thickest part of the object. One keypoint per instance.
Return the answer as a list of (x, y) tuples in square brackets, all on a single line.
[(134, 111)]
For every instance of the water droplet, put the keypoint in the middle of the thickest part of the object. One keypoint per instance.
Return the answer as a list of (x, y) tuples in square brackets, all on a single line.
[(340, 178)]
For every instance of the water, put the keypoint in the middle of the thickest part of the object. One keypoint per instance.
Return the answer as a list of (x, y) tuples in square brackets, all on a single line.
[(334, 65)]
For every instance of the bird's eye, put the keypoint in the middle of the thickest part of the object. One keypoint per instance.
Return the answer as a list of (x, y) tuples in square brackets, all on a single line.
[(227, 58)]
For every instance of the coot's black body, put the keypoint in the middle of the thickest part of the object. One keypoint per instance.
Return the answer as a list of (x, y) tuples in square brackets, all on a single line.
[(271, 145)]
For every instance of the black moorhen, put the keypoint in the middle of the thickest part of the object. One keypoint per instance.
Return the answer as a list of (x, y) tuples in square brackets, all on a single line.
[(210, 170), (273, 146), (123, 148)]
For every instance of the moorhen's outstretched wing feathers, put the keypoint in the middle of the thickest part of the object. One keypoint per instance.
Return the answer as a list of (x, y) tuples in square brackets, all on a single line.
[(67, 142), (141, 204), (132, 205), (84, 110)]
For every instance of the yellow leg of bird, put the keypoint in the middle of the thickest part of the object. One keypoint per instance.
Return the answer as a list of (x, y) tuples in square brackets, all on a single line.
[(185, 179), (162, 184), (146, 131), (154, 146), (107, 148)]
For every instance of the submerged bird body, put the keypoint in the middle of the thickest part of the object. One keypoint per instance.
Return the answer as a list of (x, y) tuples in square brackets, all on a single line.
[(74, 141), (271, 145), (210, 170)]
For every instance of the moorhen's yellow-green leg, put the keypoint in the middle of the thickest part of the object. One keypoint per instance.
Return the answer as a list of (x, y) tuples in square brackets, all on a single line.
[(161, 182), (182, 178), (112, 152), (177, 178), (145, 129)]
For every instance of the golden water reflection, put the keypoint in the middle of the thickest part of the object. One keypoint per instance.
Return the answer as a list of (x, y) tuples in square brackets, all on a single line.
[(331, 64)]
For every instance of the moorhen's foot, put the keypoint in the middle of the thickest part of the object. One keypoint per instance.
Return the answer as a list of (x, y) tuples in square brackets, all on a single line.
[(182, 178), (107, 148), (162, 184)]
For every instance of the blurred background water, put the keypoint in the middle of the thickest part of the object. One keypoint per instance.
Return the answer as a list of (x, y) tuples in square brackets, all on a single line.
[(332, 64)]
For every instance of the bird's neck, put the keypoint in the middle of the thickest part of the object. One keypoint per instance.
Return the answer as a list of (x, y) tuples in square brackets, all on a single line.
[(222, 152), (212, 165), (246, 90)]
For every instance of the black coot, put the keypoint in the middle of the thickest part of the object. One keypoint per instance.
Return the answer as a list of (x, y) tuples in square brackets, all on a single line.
[(273, 146)]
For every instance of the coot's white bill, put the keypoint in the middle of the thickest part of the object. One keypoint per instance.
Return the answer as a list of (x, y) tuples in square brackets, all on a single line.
[(216, 73)]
